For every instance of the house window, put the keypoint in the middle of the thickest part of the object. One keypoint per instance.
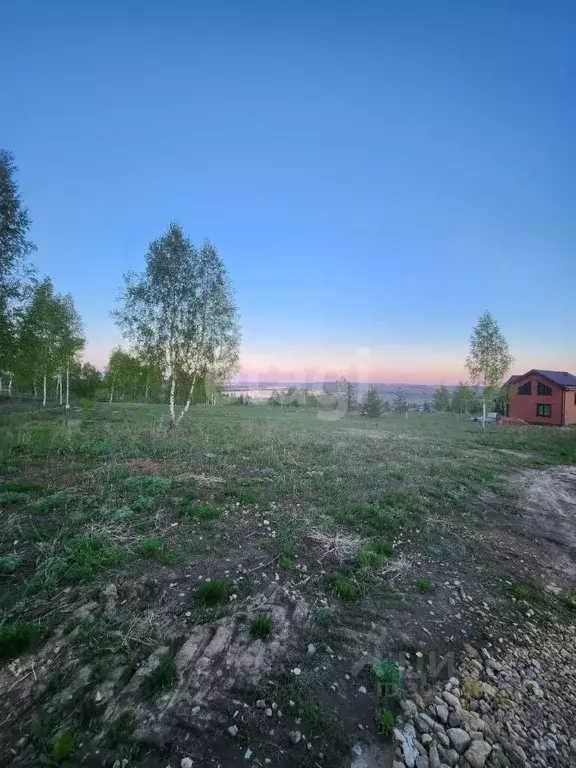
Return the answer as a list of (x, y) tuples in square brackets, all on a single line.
[(525, 389), (543, 409), (544, 390)]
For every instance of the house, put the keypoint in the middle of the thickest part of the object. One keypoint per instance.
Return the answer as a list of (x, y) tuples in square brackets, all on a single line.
[(543, 397)]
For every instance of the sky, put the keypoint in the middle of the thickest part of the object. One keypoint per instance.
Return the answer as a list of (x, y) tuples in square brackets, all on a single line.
[(374, 174)]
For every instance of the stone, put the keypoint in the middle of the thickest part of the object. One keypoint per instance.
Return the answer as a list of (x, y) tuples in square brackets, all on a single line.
[(426, 739), (186, 762), (422, 762), (454, 719), (261, 704), (472, 688), (233, 731), (297, 671), (362, 689), (295, 736), (357, 749), (433, 756), (442, 711), (311, 649), (451, 757), (451, 700), (459, 738), (268, 712), (477, 753), (409, 708)]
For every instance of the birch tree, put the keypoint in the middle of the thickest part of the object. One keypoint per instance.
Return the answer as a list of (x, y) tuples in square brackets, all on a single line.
[(489, 359), (182, 307)]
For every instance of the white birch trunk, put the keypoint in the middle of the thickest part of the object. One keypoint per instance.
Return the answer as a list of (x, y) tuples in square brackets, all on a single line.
[(35, 390), (172, 394), (483, 412), (67, 386), (60, 387), (0, 385), (44, 391), (10, 387), (111, 391), (184, 410)]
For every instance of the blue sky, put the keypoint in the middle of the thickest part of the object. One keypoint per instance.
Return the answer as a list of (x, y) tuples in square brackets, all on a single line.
[(374, 175)]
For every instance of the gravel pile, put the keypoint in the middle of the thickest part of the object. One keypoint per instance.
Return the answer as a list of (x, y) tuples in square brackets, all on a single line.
[(511, 707)]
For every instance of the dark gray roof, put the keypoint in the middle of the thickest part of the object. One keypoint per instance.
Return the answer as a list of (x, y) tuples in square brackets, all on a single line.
[(562, 378)]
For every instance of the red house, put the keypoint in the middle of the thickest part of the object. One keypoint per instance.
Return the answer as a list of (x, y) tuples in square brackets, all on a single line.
[(543, 397)]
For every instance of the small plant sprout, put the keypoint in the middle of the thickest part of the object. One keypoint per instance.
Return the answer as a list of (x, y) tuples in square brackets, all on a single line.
[(387, 677), (261, 627), (425, 585), (162, 677), (214, 591), (386, 720)]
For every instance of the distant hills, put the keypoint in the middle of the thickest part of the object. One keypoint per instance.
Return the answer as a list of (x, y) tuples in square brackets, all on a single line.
[(415, 393)]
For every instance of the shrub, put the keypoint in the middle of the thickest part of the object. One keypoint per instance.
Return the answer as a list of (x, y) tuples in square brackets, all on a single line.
[(386, 720), (324, 615), (214, 591), (162, 677), (371, 404), (63, 748), (9, 563), (345, 589), (261, 627), (19, 638), (387, 677)]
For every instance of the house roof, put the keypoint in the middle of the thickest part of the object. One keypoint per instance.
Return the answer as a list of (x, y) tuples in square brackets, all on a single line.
[(511, 380), (561, 378)]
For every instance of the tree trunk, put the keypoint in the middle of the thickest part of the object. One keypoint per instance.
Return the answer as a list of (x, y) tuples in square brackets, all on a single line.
[(35, 390), (60, 387), (44, 392), (146, 391), (10, 387), (111, 391), (172, 395), (184, 410), (0, 385), (483, 412), (67, 386)]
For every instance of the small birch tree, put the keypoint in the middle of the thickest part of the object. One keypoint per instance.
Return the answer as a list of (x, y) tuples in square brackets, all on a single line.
[(181, 306), (489, 358)]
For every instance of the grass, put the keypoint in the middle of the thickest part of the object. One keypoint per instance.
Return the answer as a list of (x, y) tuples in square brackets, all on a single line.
[(295, 698), (63, 748), (425, 585), (386, 720), (343, 587), (261, 627), (162, 677), (157, 548), (9, 563), (387, 677), (214, 591), (324, 615), (19, 638), (79, 559), (528, 593), (121, 728), (202, 511), (12, 497)]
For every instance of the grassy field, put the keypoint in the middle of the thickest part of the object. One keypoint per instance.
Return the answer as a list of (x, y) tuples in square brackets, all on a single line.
[(236, 497)]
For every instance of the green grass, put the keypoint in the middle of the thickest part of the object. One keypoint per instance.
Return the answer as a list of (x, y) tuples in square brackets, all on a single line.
[(54, 501), (9, 563), (162, 677), (368, 557), (324, 615), (79, 559), (343, 587), (22, 487), (261, 627), (19, 638), (214, 591), (425, 585), (156, 547), (529, 593), (12, 497), (387, 677), (63, 748), (383, 547), (386, 720), (202, 511), (122, 728)]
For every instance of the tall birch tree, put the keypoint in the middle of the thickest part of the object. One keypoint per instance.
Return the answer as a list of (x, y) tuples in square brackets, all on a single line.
[(182, 307)]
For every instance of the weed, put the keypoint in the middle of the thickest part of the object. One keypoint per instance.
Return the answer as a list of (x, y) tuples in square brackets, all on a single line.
[(368, 557), (286, 560), (214, 591), (387, 677), (63, 748), (386, 720), (570, 599), (12, 497), (39, 531), (142, 503), (121, 728), (162, 677), (249, 496), (147, 485), (54, 501), (425, 585), (383, 547), (324, 615), (19, 638), (22, 487), (80, 558), (344, 588), (205, 614), (9, 563), (261, 627), (529, 593), (202, 511)]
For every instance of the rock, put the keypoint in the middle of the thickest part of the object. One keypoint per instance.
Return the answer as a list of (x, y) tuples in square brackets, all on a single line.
[(459, 738), (110, 597), (233, 731), (409, 708), (311, 649), (268, 712), (433, 756), (195, 710), (472, 688), (426, 739), (454, 719), (451, 700), (477, 753), (248, 754), (295, 736), (451, 757), (442, 711), (297, 671), (357, 749), (362, 689), (471, 651), (261, 704), (422, 762), (186, 762)]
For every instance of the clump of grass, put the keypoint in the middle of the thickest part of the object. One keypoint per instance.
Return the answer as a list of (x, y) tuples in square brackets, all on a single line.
[(54, 501), (386, 720), (142, 503), (63, 748), (81, 557), (570, 599), (286, 559), (9, 563), (147, 485), (425, 585), (261, 627), (383, 547), (21, 487), (12, 497), (293, 696), (202, 511), (162, 677), (396, 470), (529, 593), (39, 531), (121, 728), (156, 548), (368, 557), (249, 496), (347, 590), (19, 638), (387, 677), (324, 615), (214, 591)]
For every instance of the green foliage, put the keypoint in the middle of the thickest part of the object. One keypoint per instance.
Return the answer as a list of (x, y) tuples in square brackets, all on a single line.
[(63, 748), (162, 677), (489, 359), (261, 627), (442, 400), (49, 503), (425, 585), (147, 485), (387, 677), (286, 559), (202, 511), (156, 547), (368, 557), (371, 403), (324, 615), (9, 563), (386, 720), (570, 599), (39, 531), (383, 547), (343, 587), (249, 496), (214, 591), (12, 497), (19, 638), (21, 487), (400, 401), (122, 728), (529, 593), (81, 557)]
